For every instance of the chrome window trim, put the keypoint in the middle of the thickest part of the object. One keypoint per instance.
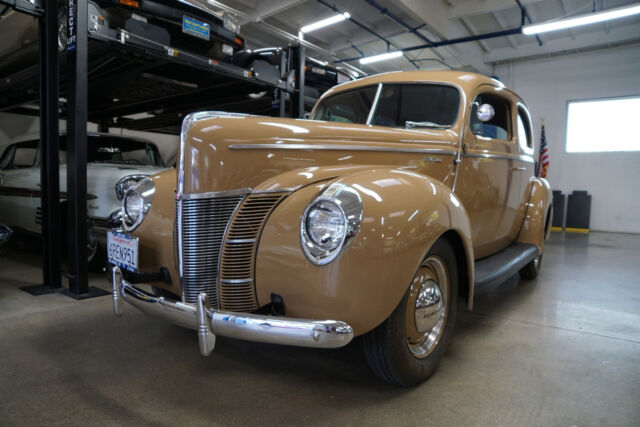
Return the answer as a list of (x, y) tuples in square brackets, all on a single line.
[(375, 104), (344, 147)]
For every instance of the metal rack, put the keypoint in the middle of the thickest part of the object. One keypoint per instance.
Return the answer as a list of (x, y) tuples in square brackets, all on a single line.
[(116, 78)]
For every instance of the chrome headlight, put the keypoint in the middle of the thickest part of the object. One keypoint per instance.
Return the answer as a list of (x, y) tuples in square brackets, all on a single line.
[(330, 223), (136, 203), (126, 182)]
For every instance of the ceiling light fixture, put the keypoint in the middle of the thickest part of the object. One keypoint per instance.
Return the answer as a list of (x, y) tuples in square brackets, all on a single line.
[(381, 57), (325, 22), (578, 21)]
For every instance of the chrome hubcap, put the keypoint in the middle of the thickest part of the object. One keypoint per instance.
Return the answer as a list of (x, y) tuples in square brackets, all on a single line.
[(427, 309)]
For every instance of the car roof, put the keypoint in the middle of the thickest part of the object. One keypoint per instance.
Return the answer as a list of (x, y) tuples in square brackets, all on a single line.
[(467, 81), (36, 136)]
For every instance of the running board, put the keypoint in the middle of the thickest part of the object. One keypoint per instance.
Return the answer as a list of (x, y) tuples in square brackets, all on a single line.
[(497, 268)]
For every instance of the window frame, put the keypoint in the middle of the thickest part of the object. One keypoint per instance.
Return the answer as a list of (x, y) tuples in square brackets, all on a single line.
[(14, 147), (380, 87), (566, 123), (374, 106), (525, 109), (510, 106), (377, 86)]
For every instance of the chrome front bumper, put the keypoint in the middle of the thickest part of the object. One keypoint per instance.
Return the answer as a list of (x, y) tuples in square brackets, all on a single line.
[(209, 322)]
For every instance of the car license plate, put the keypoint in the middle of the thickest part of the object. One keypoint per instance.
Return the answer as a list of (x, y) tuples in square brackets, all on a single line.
[(195, 28), (122, 250)]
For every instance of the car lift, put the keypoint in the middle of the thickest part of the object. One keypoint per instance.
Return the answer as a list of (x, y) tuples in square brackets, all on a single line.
[(135, 76)]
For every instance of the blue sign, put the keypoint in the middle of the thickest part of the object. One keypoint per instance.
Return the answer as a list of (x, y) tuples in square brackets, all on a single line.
[(195, 28)]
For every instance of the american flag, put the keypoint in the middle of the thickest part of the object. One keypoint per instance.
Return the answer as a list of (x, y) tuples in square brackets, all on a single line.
[(543, 162)]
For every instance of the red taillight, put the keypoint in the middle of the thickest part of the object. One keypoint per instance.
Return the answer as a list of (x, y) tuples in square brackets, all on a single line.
[(130, 3)]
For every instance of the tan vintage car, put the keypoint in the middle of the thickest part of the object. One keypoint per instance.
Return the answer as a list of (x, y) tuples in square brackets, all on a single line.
[(402, 193)]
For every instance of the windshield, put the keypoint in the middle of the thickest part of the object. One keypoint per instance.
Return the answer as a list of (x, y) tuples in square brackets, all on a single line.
[(111, 149), (417, 105), (347, 107), (405, 105)]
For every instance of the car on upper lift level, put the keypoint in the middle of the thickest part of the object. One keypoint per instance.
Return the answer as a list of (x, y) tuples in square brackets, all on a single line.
[(404, 192), (189, 25), (113, 164)]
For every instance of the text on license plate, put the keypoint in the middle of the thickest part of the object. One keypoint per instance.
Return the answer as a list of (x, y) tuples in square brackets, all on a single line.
[(122, 250), (195, 28)]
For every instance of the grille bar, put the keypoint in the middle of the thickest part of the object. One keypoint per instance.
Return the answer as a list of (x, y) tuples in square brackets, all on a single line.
[(237, 262), (204, 222)]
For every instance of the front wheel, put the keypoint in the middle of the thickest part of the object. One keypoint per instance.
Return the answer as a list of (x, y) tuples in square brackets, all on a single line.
[(407, 347)]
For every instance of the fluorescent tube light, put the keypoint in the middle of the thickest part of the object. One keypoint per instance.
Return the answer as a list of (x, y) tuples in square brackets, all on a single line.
[(381, 57), (325, 22), (578, 21)]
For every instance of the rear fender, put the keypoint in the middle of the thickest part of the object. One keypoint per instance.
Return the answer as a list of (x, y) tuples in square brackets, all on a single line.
[(404, 213), (537, 221)]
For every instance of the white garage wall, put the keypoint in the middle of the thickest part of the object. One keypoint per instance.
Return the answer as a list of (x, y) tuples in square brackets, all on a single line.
[(613, 179), (13, 126)]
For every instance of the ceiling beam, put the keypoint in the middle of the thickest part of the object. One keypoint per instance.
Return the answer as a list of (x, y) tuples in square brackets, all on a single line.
[(617, 36), (603, 6), (472, 30), (502, 25), (434, 14), (563, 3), (479, 7), (266, 9)]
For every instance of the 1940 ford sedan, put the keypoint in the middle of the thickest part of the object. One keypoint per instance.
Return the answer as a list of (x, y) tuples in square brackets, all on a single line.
[(404, 192)]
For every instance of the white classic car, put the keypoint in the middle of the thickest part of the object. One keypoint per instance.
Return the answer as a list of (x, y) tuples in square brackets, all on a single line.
[(113, 164)]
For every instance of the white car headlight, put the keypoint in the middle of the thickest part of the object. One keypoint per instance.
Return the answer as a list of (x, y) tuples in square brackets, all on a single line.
[(330, 223), (136, 203)]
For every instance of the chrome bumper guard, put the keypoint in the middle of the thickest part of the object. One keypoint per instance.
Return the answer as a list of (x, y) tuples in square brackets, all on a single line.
[(208, 322)]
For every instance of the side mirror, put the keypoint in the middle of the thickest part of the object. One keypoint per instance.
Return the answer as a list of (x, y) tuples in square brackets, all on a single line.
[(485, 112), (306, 116)]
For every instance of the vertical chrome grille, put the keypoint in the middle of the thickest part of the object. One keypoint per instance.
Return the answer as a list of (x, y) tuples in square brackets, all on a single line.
[(204, 222), (237, 264)]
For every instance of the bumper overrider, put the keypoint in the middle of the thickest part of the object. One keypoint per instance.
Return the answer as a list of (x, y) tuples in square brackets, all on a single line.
[(208, 322)]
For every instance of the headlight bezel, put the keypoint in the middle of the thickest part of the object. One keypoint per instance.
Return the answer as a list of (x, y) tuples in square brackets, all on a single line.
[(145, 190), (349, 203), (131, 180)]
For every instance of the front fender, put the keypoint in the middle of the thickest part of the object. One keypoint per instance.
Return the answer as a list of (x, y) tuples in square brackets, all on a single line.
[(404, 213)]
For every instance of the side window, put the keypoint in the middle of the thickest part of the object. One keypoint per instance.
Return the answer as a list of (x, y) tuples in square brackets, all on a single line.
[(348, 107), (24, 157), (524, 128), (18, 156), (7, 157), (498, 126), (430, 105)]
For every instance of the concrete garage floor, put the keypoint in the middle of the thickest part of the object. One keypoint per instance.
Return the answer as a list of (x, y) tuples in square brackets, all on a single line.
[(563, 350)]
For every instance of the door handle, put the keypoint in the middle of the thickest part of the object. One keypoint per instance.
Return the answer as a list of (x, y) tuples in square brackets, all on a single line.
[(519, 169)]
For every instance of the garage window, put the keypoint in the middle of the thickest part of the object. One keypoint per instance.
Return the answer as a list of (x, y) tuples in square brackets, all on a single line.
[(602, 125)]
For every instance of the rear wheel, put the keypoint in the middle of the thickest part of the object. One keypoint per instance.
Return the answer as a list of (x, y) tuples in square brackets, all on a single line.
[(407, 347)]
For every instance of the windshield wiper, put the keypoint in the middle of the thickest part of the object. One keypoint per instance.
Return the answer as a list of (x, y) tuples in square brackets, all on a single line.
[(410, 124)]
